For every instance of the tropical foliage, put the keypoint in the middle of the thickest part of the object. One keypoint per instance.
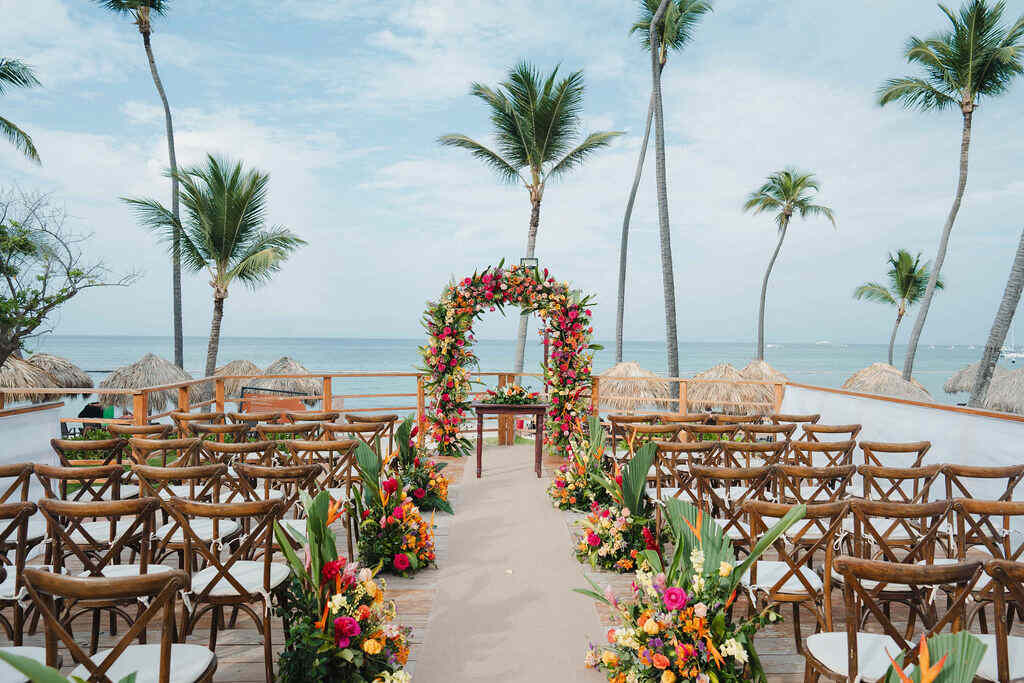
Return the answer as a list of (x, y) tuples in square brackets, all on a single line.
[(16, 74), (511, 394), (678, 624), (536, 121), (420, 476), (908, 279), (448, 355), (976, 57), (943, 658), (224, 232), (574, 486), (785, 193)]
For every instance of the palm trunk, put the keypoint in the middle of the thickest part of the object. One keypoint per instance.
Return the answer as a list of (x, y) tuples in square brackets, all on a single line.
[(531, 244), (667, 278), (926, 302), (1000, 326), (764, 289), (621, 306), (179, 358), (892, 337), (214, 345)]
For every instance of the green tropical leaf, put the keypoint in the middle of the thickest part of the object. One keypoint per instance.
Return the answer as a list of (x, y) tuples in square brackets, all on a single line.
[(35, 671), (284, 540), (793, 516), (963, 653)]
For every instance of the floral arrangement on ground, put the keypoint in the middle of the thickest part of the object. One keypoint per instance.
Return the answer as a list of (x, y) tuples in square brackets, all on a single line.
[(420, 476), (511, 395), (448, 356), (392, 533), (574, 486), (338, 627), (678, 626)]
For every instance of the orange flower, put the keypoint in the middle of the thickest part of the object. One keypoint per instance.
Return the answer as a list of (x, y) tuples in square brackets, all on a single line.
[(660, 661), (928, 673), (611, 636)]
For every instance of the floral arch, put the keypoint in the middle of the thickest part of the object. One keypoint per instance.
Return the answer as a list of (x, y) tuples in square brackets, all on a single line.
[(448, 354)]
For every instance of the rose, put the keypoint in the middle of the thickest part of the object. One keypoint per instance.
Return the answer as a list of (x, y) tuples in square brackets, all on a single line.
[(667, 676), (660, 661), (419, 493), (675, 598), (363, 612), (401, 561), (390, 485), (593, 540), (345, 628), (700, 610)]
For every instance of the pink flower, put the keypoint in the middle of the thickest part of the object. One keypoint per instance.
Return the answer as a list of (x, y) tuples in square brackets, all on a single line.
[(560, 483), (344, 629), (401, 561), (593, 540), (399, 513), (675, 598)]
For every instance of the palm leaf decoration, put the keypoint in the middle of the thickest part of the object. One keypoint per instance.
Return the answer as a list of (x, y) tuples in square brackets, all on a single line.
[(960, 653), (632, 493)]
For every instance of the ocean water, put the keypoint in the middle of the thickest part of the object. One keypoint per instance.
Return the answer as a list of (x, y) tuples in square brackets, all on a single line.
[(823, 364)]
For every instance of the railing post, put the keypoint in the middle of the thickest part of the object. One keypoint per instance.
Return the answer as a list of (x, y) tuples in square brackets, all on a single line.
[(140, 408), (421, 412), (218, 394), (328, 394), (778, 397), (595, 396), (503, 420), (183, 399), (684, 403)]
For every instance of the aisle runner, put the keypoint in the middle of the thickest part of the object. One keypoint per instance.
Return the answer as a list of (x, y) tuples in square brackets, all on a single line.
[(505, 610)]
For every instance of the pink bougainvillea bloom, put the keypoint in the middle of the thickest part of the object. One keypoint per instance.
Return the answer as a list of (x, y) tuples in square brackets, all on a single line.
[(675, 598)]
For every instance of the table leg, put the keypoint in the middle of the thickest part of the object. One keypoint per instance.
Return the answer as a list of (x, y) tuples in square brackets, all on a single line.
[(479, 444), (538, 443)]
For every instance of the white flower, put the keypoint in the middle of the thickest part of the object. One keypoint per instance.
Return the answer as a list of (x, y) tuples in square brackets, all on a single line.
[(338, 601), (732, 648), (698, 583), (365, 575), (697, 560)]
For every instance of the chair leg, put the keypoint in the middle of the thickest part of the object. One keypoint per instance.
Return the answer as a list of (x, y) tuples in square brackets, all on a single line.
[(797, 631), (268, 648), (214, 627), (94, 637), (19, 620)]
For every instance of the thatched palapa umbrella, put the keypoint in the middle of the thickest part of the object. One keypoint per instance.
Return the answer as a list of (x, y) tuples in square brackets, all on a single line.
[(67, 374), (760, 370), (306, 386), (16, 373), (964, 378), (149, 371), (724, 396), (885, 380), (233, 387), (1006, 394), (626, 390)]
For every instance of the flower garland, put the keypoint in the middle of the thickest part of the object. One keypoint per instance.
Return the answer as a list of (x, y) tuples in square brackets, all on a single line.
[(447, 356)]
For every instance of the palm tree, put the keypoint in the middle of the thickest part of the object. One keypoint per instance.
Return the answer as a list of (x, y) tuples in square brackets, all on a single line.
[(907, 281), (224, 233), (676, 31), (785, 192), (1000, 326), (141, 11), (976, 57), (17, 74), (536, 119)]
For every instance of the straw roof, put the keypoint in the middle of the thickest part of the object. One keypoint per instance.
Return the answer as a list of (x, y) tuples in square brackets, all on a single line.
[(233, 387), (758, 369), (633, 394), (301, 385), (722, 396), (16, 373), (964, 378), (149, 371), (1006, 393), (885, 380), (67, 374)]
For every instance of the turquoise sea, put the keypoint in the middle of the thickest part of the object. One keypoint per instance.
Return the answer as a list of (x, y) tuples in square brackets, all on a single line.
[(823, 364)]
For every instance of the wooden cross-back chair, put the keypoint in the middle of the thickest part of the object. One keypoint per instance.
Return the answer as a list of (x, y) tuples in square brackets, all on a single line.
[(638, 434), (233, 432), (894, 454), (239, 576), (98, 451), (337, 458), (184, 421), (1003, 660), (80, 484), (156, 593), (286, 484), (689, 418), (165, 452), (767, 432), (130, 431), (251, 452), (312, 415), (723, 491), (99, 548), (738, 420), (391, 419), (15, 480), (858, 655), (821, 453), (367, 432), (672, 468), (812, 485), (792, 418), (751, 453), (991, 528), (703, 432), (279, 433), (13, 554), (254, 418), (899, 484), (988, 483), (790, 578), (820, 432), (619, 423)]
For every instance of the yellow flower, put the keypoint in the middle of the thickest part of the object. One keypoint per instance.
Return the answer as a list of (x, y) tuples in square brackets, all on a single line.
[(667, 676), (724, 569), (651, 627), (609, 658), (371, 588), (371, 646)]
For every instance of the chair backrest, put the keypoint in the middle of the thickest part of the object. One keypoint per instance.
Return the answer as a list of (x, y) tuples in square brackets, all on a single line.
[(787, 418), (234, 432), (672, 466), (337, 458), (169, 452), (899, 484), (198, 482), (255, 541), (864, 580), (822, 453), (740, 420), (724, 490), (894, 454), (770, 432), (73, 530), (689, 418), (158, 590), (312, 415), (802, 484), (20, 475), (81, 484), (1008, 588), (817, 432), (100, 451), (639, 433), (252, 419), (258, 483), (898, 532), (357, 417), (283, 432), (990, 483), (367, 432), (14, 539), (150, 431), (183, 421), (251, 452), (993, 526), (751, 453), (702, 432)]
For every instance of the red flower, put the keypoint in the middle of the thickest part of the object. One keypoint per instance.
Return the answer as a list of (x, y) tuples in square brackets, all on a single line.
[(419, 493), (390, 485), (401, 561), (331, 569), (650, 543)]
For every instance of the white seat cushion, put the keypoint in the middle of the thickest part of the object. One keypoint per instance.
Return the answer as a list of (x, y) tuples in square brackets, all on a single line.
[(830, 649), (188, 663), (7, 587), (122, 570), (100, 530), (293, 526), (272, 494), (729, 492), (124, 491), (989, 669), (666, 492), (202, 526), (770, 573), (9, 674), (36, 527), (249, 573), (898, 534), (179, 490), (739, 531)]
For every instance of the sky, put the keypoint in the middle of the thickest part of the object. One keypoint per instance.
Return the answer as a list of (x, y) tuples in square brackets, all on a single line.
[(343, 102)]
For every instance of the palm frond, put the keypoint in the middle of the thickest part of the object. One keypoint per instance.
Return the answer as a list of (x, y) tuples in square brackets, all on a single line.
[(16, 73), (677, 28), (264, 256), (506, 171), (158, 219), (914, 93), (576, 157), (874, 291), (557, 118), (131, 6), (816, 210), (19, 138)]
